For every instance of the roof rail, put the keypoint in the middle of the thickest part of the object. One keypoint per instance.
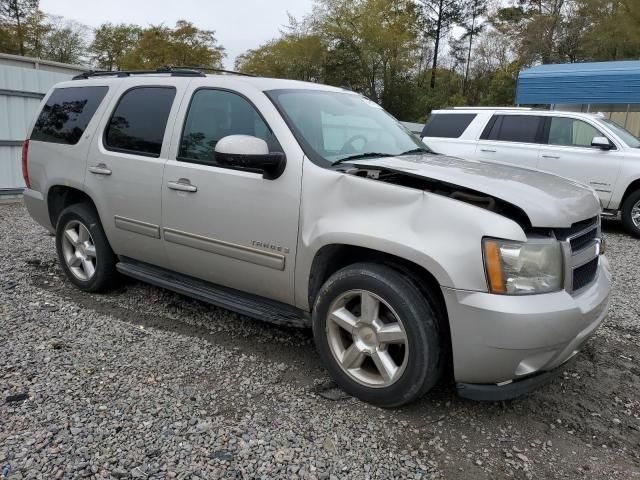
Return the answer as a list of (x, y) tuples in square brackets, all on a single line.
[(215, 70), (492, 108), (173, 70)]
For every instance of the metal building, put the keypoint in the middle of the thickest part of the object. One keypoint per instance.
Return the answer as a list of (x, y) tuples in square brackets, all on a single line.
[(23, 83), (611, 88)]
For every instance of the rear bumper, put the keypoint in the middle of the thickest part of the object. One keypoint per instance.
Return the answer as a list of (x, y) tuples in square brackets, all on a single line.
[(37, 208), (498, 339)]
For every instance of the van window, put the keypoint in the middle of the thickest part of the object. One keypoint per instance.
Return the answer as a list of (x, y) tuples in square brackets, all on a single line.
[(139, 121), (215, 114), (514, 128), (447, 125), (570, 132), (65, 116)]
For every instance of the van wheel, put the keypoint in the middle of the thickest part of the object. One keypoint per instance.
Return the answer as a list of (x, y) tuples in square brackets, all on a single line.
[(83, 249), (377, 335), (631, 214)]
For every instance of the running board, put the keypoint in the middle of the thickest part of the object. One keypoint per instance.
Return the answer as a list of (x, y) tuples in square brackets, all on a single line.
[(240, 302)]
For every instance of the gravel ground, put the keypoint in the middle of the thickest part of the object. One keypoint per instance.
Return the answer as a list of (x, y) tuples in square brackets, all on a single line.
[(144, 383)]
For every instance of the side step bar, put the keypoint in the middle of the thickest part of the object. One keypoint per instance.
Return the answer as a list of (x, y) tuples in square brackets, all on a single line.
[(234, 300)]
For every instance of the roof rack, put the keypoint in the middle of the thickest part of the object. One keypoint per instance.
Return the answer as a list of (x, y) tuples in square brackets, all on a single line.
[(173, 70), (492, 108)]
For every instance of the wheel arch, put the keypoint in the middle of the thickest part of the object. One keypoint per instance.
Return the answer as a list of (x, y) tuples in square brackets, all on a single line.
[(633, 187), (331, 258), (60, 197)]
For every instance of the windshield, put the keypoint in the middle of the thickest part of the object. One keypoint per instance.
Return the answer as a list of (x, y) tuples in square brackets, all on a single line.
[(626, 136), (335, 126)]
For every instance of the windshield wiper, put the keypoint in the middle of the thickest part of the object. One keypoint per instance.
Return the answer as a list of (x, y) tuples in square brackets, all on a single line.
[(362, 156), (415, 150)]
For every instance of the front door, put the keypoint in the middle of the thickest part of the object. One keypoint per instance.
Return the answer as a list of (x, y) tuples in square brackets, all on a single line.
[(568, 153), (124, 170), (229, 227)]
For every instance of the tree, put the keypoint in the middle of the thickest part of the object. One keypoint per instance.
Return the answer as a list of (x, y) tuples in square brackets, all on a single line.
[(111, 43), (440, 16), (14, 12), (183, 45), (66, 41), (37, 28), (472, 24)]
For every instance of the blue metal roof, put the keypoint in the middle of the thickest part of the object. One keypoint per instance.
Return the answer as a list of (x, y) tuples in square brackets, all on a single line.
[(580, 83)]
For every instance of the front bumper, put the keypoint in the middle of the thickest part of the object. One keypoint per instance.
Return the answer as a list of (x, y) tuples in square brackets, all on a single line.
[(499, 339)]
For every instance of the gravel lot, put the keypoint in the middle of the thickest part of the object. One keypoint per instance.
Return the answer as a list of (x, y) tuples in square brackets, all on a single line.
[(144, 383)]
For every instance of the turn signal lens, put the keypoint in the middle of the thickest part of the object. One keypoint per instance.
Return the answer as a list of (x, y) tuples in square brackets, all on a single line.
[(493, 266)]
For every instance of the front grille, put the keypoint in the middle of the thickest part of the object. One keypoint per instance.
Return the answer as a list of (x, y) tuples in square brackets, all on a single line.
[(564, 233), (583, 240), (581, 256), (584, 275)]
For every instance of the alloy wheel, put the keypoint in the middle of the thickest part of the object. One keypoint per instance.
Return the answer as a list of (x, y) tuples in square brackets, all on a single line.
[(367, 338), (79, 250)]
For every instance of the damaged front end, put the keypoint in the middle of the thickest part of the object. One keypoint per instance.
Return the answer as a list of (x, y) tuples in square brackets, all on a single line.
[(445, 189)]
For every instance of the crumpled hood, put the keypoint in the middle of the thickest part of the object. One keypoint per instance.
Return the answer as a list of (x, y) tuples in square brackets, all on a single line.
[(548, 200)]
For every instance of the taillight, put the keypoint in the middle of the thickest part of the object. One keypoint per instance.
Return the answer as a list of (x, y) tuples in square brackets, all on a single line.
[(25, 171)]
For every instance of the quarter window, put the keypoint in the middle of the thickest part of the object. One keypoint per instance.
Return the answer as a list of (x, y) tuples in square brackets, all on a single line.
[(447, 125), (140, 120), (215, 114), (65, 116), (571, 132)]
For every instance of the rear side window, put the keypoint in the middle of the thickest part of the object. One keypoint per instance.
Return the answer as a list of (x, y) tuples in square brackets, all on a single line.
[(65, 116), (515, 128), (447, 125), (139, 121)]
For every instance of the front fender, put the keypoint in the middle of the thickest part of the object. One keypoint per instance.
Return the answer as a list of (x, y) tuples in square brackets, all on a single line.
[(440, 234)]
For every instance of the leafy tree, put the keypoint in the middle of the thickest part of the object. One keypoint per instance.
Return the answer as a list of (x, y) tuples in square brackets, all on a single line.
[(37, 29), (111, 43), (65, 42), (15, 12), (183, 45)]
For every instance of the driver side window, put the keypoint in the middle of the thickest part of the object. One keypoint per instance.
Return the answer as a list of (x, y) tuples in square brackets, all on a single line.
[(215, 114), (569, 132)]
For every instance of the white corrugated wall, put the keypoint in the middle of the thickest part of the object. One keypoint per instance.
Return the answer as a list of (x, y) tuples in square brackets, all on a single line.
[(23, 83)]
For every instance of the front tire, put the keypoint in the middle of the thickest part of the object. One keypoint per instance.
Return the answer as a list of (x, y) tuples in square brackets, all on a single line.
[(83, 249), (377, 335)]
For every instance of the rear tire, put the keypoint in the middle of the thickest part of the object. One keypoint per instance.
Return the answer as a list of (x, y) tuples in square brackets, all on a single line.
[(631, 214), (377, 335), (83, 249)]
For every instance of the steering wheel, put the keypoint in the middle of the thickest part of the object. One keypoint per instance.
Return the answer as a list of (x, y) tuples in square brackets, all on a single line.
[(349, 143)]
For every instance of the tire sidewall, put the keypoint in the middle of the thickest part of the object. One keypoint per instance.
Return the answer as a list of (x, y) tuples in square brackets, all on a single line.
[(418, 319), (105, 264), (626, 214)]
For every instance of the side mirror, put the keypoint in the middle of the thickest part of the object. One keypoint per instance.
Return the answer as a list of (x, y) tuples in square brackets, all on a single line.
[(250, 154), (602, 143)]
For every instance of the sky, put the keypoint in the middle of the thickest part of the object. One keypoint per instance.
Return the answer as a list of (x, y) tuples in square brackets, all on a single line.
[(239, 24)]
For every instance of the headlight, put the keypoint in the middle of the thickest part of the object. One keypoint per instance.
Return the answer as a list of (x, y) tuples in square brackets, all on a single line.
[(516, 268)]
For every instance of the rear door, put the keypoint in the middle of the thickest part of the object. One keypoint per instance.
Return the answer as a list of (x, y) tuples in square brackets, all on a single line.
[(125, 166), (512, 138), (568, 152)]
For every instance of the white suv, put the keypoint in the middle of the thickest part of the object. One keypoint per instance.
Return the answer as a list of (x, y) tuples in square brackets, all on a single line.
[(585, 147)]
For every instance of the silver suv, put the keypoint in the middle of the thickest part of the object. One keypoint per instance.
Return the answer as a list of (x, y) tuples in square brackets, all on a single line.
[(309, 205)]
